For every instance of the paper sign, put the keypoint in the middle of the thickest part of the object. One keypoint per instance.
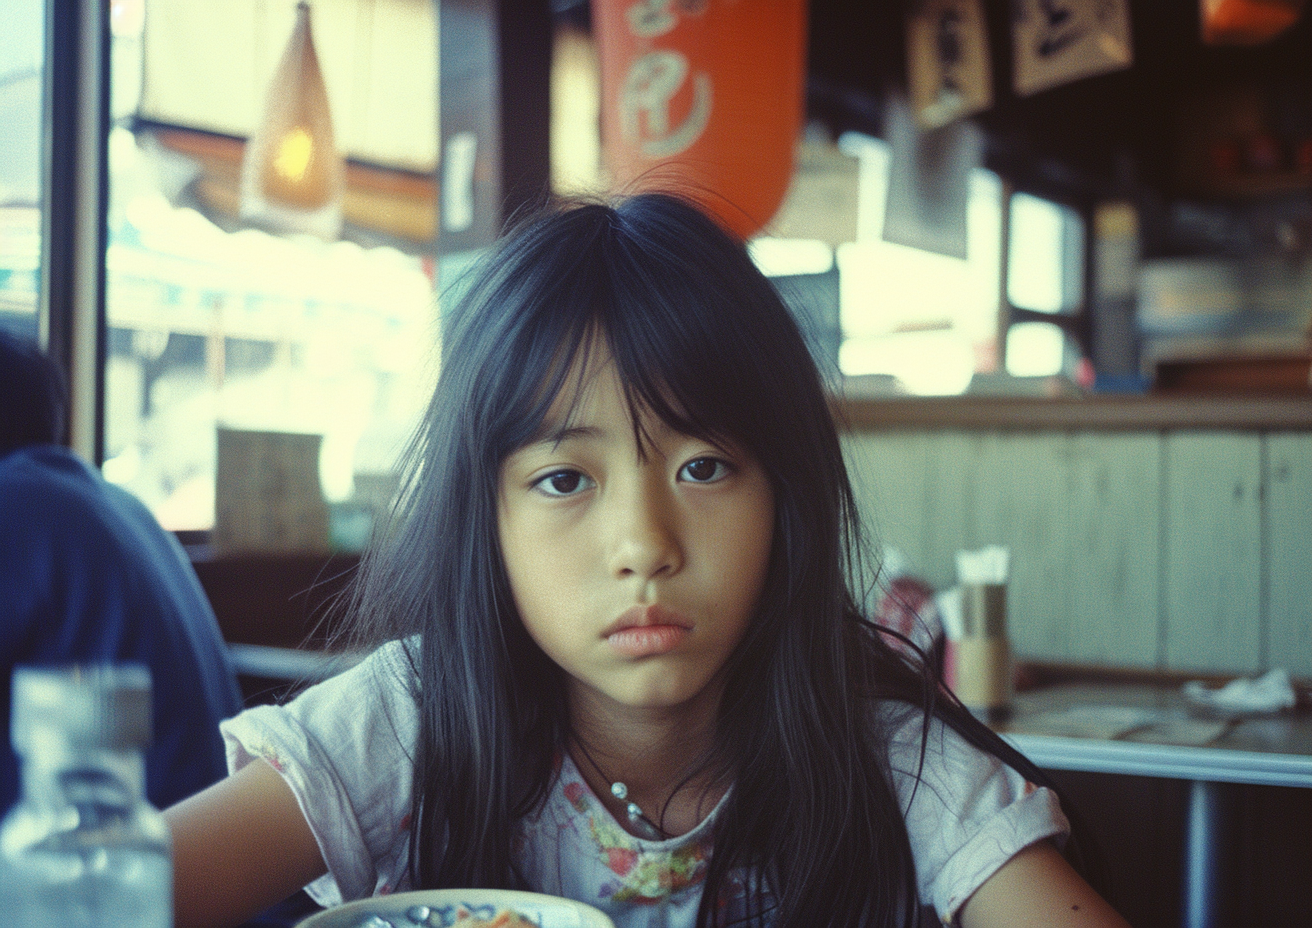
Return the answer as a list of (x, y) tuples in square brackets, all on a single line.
[(929, 182), (267, 493), (1059, 41), (948, 61)]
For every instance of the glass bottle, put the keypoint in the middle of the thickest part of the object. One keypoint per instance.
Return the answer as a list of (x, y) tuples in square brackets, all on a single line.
[(83, 848)]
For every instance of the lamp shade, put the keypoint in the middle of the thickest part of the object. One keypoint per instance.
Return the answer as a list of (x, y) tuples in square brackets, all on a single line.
[(703, 98), (293, 177), (1247, 22)]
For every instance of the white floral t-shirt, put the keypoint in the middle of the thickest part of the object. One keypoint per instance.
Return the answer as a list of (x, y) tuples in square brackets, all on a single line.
[(345, 748)]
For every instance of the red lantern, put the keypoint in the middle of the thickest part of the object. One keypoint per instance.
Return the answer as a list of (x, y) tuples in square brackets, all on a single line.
[(704, 98)]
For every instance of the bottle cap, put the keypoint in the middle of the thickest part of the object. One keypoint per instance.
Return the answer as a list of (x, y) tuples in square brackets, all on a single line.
[(105, 706)]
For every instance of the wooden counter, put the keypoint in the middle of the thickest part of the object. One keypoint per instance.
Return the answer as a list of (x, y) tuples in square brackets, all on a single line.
[(1091, 413)]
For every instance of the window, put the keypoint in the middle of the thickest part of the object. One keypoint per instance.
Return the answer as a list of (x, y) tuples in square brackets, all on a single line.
[(1044, 276), (21, 76), (909, 321), (921, 323), (887, 316), (925, 320), (216, 324)]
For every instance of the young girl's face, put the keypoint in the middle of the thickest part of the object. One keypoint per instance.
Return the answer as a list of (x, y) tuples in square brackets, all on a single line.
[(636, 569)]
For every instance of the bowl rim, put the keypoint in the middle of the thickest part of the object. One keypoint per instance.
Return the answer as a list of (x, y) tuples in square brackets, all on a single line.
[(338, 916)]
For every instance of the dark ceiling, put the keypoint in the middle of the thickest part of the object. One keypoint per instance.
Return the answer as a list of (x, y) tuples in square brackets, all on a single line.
[(1090, 135)]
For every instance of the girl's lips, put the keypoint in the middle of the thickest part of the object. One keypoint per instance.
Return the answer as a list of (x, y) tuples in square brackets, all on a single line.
[(645, 631), (647, 640)]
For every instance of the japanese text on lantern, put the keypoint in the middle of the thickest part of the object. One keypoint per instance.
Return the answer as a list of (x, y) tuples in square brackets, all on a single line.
[(652, 81)]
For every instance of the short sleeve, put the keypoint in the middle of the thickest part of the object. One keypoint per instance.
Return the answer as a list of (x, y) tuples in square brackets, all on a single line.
[(967, 815), (345, 747)]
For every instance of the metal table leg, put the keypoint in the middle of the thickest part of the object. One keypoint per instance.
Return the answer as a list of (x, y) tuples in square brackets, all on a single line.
[(1209, 827)]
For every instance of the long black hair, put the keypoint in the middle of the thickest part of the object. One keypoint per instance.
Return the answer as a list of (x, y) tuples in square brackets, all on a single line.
[(702, 340)]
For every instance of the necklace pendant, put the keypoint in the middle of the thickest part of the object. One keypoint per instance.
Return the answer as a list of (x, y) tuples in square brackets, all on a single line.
[(643, 825)]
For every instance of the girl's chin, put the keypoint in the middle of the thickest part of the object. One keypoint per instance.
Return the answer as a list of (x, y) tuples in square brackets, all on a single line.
[(661, 690)]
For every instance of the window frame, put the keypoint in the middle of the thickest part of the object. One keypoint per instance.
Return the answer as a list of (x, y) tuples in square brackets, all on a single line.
[(71, 318), (1076, 323)]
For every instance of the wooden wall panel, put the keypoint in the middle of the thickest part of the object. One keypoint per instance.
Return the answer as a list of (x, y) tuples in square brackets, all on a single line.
[(1287, 544), (1076, 512), (1212, 547), (952, 482), (1184, 550), (1115, 536), (1021, 502), (888, 478)]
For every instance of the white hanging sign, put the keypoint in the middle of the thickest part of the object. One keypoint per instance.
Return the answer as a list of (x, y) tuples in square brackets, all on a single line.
[(1059, 41), (948, 60)]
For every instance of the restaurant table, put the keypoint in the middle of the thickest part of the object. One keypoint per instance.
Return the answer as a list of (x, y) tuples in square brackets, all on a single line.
[(1273, 750)]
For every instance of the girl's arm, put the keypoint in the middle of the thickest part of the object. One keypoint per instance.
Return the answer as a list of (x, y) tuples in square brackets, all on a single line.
[(1036, 889), (239, 847)]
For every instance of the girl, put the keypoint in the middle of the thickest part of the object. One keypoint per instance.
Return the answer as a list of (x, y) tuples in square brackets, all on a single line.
[(622, 661)]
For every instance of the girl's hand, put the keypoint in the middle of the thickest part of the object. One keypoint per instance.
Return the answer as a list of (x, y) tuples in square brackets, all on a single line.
[(1038, 889), (239, 847)]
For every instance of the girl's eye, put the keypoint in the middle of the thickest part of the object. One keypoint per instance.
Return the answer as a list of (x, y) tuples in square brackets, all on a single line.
[(704, 470), (563, 483)]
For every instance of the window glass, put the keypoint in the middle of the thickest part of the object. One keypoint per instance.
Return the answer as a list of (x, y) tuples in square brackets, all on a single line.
[(1044, 274), (1035, 349), (925, 321), (1034, 263), (575, 106), (21, 75), (918, 322), (213, 324)]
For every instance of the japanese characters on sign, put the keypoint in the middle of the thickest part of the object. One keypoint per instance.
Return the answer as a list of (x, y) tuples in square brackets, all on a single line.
[(1059, 41), (948, 60)]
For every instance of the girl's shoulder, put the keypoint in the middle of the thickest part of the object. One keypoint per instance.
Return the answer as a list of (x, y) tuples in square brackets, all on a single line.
[(967, 810), (397, 660), (391, 663), (359, 696), (897, 720), (916, 743)]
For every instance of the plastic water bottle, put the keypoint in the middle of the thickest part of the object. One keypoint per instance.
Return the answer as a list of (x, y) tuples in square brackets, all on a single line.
[(83, 848)]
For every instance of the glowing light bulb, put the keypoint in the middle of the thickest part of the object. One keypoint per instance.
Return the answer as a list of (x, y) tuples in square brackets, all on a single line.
[(294, 153), (293, 177)]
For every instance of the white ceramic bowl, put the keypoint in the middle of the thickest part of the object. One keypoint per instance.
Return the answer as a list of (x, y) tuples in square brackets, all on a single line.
[(438, 908)]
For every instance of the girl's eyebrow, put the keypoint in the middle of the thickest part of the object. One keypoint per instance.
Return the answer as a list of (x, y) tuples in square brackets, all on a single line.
[(565, 432)]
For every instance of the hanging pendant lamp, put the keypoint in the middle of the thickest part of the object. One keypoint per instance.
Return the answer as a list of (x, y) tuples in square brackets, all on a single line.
[(293, 177), (1247, 22)]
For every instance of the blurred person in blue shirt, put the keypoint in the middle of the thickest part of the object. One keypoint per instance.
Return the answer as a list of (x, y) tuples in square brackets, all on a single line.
[(87, 575)]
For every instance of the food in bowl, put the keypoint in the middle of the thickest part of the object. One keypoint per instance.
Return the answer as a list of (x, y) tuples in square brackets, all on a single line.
[(503, 919), (424, 916)]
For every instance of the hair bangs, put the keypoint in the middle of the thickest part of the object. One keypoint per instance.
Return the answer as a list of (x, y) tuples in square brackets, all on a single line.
[(675, 335), (611, 298)]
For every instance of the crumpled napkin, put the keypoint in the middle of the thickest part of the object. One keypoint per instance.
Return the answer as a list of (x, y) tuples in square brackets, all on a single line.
[(1268, 693)]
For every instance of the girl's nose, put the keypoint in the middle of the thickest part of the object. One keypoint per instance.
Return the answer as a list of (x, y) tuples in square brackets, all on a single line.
[(646, 540)]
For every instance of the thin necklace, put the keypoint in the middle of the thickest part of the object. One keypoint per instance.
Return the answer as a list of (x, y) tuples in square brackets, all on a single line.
[(644, 826)]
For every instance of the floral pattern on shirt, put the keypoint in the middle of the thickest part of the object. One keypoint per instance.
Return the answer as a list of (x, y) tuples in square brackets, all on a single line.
[(643, 876), (574, 846)]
